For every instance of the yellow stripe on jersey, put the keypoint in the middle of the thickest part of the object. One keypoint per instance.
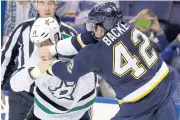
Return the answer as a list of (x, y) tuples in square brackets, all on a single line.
[(80, 41), (148, 87)]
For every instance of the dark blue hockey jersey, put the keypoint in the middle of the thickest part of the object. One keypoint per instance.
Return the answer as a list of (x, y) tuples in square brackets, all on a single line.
[(125, 58)]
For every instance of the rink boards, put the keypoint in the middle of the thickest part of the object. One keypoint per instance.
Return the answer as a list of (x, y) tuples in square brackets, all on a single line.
[(103, 109)]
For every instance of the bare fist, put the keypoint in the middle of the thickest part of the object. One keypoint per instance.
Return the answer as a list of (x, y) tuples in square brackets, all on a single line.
[(44, 66)]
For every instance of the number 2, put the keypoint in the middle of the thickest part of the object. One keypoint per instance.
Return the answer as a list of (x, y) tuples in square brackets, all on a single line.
[(124, 61)]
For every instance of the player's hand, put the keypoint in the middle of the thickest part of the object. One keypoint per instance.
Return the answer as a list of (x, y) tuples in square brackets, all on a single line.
[(47, 52), (44, 66), (156, 27), (2, 99)]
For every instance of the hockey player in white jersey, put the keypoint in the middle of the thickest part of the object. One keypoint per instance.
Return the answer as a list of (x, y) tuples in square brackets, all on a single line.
[(54, 99)]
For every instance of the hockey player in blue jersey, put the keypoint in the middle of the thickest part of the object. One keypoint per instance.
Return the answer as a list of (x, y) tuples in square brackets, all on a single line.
[(143, 83)]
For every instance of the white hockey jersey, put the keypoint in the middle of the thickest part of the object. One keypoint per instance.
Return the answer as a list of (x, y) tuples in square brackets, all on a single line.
[(55, 99)]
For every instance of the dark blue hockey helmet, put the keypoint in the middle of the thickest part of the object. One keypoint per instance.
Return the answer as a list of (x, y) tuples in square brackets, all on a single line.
[(106, 14)]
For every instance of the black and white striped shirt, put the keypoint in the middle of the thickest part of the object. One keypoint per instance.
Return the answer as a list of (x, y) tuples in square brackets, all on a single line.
[(18, 48)]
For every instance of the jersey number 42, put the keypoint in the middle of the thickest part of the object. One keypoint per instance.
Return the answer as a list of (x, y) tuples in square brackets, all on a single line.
[(124, 61)]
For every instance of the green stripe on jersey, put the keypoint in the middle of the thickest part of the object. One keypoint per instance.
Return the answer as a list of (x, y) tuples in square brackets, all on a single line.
[(64, 36), (83, 106), (46, 110)]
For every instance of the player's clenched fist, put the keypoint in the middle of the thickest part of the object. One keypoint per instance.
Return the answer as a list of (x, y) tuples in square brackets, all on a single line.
[(41, 68), (44, 65)]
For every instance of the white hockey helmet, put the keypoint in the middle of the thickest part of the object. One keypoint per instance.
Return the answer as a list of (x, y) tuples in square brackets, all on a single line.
[(43, 29)]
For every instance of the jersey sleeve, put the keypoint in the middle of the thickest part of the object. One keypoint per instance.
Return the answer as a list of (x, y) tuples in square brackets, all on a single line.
[(82, 64), (163, 42), (83, 39), (167, 54), (74, 44), (21, 80)]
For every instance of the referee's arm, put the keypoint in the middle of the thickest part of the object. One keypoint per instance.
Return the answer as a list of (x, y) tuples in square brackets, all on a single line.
[(9, 53)]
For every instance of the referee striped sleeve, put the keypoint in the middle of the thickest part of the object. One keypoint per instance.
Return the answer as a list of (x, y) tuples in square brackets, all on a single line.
[(9, 52), (16, 50)]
